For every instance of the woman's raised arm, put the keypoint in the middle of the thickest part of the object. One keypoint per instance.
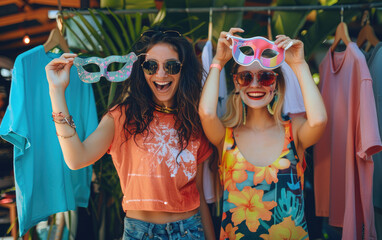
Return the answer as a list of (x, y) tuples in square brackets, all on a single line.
[(77, 154), (212, 125)]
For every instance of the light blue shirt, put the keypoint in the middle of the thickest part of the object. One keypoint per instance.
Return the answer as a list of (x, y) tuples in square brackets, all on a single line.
[(44, 183)]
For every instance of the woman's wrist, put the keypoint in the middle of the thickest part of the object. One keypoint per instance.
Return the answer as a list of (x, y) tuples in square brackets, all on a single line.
[(56, 91), (218, 61), (216, 65)]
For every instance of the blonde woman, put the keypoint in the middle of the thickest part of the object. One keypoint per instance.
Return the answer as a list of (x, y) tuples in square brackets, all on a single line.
[(262, 152)]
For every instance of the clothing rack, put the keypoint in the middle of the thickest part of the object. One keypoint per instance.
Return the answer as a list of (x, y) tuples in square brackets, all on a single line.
[(361, 6)]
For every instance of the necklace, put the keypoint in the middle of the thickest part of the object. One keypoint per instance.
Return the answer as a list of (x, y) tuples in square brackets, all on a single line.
[(164, 109)]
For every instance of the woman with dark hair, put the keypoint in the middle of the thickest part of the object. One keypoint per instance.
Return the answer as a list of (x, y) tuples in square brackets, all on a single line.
[(262, 152), (154, 136)]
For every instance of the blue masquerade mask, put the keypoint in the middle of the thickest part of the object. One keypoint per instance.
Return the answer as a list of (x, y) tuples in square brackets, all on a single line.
[(103, 63)]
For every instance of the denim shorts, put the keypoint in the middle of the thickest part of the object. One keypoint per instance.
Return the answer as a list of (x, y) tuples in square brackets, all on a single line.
[(190, 228)]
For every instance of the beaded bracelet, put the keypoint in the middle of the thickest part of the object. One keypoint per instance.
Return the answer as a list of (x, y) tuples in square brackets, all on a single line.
[(61, 136), (60, 118)]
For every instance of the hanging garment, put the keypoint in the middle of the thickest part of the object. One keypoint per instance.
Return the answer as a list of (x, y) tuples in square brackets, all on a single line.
[(343, 166), (262, 202), (374, 59), (208, 179), (293, 101), (44, 183)]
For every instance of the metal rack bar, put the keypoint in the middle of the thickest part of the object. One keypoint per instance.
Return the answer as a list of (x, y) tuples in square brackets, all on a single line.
[(361, 6)]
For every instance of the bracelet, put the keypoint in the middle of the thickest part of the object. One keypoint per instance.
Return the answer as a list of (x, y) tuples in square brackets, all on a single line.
[(67, 136), (216, 65), (60, 118)]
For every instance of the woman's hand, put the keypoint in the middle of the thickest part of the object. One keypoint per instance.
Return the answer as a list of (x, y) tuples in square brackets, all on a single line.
[(294, 54), (58, 71), (223, 50)]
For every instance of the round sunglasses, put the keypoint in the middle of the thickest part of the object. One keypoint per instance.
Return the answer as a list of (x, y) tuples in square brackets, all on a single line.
[(264, 78), (171, 67)]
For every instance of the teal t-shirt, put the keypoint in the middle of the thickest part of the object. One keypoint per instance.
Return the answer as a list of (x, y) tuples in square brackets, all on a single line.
[(374, 60), (44, 183)]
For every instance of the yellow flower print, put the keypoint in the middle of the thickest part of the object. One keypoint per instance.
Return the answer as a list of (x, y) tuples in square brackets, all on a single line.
[(233, 171), (229, 233), (285, 230), (250, 207), (269, 173)]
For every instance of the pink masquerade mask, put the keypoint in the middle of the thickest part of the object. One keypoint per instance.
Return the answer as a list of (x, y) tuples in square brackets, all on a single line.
[(112, 76), (265, 52)]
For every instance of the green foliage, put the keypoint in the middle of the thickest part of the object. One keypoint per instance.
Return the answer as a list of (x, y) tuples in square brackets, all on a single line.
[(195, 25)]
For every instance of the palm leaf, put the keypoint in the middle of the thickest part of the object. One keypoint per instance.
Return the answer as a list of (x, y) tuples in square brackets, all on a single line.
[(76, 36), (87, 36), (110, 44), (113, 30), (122, 28), (95, 34)]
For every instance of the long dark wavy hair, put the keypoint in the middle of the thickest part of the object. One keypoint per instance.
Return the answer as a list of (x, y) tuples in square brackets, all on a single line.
[(138, 97)]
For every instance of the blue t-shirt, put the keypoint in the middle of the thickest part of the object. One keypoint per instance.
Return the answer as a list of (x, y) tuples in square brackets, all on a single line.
[(374, 59), (44, 183)]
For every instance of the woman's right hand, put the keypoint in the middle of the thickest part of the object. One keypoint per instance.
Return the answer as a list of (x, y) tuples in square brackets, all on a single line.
[(223, 50), (58, 71)]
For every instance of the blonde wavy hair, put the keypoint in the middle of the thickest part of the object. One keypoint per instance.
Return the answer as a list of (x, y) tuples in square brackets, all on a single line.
[(234, 114)]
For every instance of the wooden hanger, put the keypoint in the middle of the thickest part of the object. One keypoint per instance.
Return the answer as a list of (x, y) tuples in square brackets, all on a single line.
[(210, 25), (56, 39), (367, 34), (342, 33)]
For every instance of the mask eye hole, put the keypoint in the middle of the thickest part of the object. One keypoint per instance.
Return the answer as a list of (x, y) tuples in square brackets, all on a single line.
[(91, 67), (115, 66), (246, 50), (269, 53)]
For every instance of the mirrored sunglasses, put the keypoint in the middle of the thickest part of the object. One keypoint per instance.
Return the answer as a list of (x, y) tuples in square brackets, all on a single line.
[(264, 78), (171, 67)]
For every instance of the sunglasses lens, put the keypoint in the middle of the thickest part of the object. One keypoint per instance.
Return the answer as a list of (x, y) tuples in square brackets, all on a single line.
[(172, 67), (150, 67), (245, 78), (267, 78)]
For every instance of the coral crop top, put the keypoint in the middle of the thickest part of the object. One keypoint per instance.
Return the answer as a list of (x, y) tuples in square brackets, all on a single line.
[(151, 178)]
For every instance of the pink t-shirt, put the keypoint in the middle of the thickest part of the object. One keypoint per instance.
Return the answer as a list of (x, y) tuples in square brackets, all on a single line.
[(343, 165), (153, 176)]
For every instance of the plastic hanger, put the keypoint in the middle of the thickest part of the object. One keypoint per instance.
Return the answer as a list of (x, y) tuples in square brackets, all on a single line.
[(341, 33), (367, 34), (56, 39)]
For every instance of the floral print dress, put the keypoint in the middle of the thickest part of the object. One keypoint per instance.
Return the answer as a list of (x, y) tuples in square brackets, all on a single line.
[(262, 202)]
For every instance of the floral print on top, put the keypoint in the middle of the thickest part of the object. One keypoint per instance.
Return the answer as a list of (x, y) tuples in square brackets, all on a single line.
[(262, 202)]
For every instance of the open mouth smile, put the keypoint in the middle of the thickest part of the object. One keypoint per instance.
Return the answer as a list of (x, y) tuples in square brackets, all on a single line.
[(256, 95), (162, 86)]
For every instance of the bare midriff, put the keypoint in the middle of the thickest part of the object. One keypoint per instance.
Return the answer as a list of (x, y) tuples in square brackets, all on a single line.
[(159, 217)]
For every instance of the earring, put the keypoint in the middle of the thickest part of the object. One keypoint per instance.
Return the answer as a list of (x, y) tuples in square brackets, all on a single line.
[(272, 105), (244, 112)]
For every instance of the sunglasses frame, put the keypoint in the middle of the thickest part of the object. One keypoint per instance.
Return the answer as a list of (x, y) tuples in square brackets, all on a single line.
[(164, 66), (236, 76), (144, 34)]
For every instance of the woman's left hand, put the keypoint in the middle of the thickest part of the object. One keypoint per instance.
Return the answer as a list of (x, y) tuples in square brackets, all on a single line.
[(295, 53)]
